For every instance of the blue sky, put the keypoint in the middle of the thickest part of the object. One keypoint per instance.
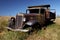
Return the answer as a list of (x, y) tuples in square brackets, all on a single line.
[(12, 7)]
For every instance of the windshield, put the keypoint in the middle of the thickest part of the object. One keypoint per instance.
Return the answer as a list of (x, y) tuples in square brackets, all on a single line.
[(34, 11)]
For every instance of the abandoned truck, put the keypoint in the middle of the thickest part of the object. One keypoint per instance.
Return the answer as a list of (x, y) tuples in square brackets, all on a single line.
[(35, 17)]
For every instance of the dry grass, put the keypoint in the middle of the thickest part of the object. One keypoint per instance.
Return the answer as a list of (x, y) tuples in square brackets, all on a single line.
[(9, 35), (4, 18), (3, 22), (57, 21), (52, 32)]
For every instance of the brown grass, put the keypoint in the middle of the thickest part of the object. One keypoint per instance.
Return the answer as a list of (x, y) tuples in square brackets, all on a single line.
[(52, 32), (4, 18), (57, 21)]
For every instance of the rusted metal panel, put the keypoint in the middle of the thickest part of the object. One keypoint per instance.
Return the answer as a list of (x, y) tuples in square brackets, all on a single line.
[(39, 17)]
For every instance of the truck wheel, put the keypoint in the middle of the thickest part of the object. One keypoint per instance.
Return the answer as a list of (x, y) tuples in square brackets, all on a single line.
[(36, 26), (26, 26)]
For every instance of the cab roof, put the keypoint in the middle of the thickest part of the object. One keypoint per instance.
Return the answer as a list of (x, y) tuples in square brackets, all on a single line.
[(39, 6)]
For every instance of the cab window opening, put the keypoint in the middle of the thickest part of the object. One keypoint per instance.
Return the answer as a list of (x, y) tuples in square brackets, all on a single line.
[(34, 11)]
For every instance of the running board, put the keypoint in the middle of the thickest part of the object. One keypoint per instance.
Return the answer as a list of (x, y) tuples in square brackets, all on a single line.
[(21, 30)]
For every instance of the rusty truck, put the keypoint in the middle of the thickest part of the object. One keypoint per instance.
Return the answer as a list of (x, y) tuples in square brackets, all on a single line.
[(35, 17)]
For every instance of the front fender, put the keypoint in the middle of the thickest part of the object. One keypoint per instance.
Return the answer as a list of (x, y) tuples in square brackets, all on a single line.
[(30, 23)]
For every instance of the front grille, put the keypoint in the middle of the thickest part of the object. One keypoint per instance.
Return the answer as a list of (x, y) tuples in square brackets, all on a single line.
[(19, 21)]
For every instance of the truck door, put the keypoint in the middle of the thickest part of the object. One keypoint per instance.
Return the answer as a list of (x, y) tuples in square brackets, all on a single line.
[(42, 16)]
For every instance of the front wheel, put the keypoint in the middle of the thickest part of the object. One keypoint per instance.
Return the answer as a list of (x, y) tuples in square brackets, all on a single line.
[(36, 26)]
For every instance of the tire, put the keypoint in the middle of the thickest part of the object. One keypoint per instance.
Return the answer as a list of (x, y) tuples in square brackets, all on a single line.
[(26, 26), (36, 26), (33, 27)]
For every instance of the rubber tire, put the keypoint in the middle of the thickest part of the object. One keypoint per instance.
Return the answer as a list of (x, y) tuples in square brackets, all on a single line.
[(36, 26)]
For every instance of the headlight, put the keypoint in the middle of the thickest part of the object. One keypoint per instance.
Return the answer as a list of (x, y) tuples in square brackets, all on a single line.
[(24, 19)]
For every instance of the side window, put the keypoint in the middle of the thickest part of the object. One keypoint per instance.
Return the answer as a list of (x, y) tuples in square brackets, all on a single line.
[(42, 11)]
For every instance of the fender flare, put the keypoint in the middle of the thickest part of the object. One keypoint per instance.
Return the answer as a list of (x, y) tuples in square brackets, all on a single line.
[(30, 23)]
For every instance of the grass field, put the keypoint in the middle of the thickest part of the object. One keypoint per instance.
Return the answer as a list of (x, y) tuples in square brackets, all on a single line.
[(52, 32)]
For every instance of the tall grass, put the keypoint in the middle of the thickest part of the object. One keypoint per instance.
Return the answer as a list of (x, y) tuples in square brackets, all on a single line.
[(13, 36), (10, 35), (3, 24), (52, 32)]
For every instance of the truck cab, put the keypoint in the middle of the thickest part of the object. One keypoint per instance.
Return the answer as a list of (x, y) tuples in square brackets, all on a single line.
[(43, 10)]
